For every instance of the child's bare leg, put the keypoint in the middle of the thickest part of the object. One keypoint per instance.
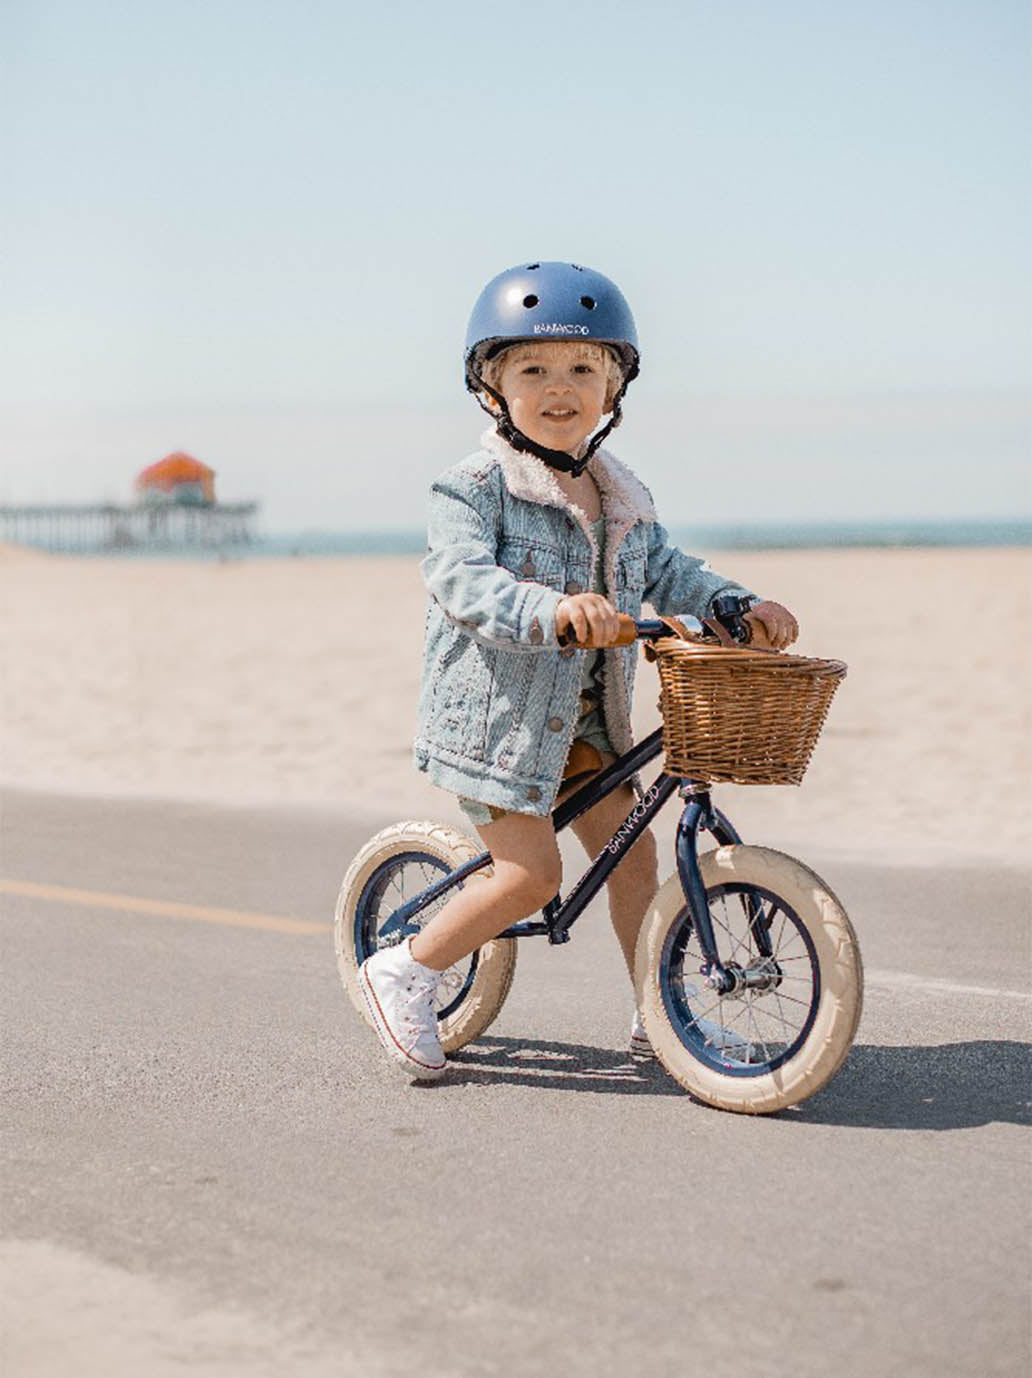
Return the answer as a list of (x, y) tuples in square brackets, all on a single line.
[(636, 879), (527, 873)]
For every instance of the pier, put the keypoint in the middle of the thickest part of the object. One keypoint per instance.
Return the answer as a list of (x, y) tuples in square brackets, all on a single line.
[(71, 528)]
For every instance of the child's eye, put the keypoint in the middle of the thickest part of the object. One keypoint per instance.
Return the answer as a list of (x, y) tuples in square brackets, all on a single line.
[(532, 368), (583, 368)]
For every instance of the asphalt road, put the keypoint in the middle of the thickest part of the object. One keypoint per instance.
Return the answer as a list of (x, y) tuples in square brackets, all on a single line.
[(208, 1168)]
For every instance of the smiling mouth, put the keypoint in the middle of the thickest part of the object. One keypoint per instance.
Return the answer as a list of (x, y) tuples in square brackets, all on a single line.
[(559, 414)]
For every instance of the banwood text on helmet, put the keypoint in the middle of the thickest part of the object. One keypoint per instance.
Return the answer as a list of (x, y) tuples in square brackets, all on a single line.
[(549, 301)]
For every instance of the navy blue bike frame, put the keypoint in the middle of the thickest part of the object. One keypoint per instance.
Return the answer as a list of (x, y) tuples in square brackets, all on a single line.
[(559, 915)]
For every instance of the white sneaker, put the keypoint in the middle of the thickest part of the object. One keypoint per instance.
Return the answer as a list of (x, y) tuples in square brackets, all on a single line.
[(399, 992), (715, 1035), (640, 1047)]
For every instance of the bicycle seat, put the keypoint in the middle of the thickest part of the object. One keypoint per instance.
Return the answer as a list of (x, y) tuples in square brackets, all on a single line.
[(583, 761)]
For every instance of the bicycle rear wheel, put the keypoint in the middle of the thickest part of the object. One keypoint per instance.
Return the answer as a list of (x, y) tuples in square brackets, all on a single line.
[(392, 867), (786, 1031)]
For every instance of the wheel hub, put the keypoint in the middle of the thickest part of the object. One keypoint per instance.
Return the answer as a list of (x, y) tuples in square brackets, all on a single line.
[(733, 980)]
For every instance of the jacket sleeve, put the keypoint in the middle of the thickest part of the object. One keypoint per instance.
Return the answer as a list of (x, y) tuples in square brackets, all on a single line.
[(462, 574), (680, 583)]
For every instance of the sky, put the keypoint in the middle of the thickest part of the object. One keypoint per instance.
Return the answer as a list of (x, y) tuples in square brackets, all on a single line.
[(255, 231)]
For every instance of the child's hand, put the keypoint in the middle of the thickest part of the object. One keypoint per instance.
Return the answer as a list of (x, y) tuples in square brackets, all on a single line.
[(591, 619), (773, 627)]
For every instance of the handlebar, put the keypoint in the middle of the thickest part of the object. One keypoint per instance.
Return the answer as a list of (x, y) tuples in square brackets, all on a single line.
[(728, 610)]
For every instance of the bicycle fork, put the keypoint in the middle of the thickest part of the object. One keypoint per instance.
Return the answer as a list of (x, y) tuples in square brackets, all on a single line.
[(699, 813)]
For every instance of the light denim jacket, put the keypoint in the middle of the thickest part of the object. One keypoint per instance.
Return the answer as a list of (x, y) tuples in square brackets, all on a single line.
[(499, 699)]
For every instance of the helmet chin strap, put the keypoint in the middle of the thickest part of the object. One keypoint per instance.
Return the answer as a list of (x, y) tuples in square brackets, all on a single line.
[(555, 459)]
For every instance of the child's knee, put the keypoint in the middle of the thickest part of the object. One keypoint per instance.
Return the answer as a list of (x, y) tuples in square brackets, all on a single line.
[(527, 863), (532, 884)]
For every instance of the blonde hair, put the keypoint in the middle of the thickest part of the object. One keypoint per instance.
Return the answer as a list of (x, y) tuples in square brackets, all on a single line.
[(491, 370)]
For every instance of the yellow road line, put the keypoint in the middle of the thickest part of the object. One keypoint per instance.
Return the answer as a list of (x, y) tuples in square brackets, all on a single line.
[(164, 909)]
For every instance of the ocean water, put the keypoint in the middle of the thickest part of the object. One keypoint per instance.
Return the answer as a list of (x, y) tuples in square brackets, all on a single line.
[(773, 536), (784, 536)]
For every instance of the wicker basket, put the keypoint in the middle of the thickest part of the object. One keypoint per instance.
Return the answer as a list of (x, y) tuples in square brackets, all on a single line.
[(745, 716)]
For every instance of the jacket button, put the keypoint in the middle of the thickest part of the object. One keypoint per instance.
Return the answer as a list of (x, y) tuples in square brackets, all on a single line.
[(555, 724), (568, 651), (573, 587), (533, 794)]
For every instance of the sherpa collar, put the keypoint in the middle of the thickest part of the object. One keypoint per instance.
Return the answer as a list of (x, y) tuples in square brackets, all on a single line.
[(625, 499)]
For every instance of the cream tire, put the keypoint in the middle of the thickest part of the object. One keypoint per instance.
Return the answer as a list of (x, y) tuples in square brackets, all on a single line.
[(496, 961), (838, 1003)]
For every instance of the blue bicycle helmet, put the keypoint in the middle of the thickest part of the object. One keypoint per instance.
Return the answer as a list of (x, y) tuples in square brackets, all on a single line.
[(549, 301)]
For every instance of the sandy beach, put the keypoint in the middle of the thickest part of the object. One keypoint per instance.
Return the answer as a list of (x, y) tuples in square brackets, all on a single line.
[(295, 681)]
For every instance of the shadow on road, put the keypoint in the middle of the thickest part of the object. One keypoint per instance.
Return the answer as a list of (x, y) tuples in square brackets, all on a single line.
[(541, 1063), (946, 1086)]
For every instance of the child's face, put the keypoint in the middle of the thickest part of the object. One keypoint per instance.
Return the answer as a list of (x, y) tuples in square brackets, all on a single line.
[(555, 391)]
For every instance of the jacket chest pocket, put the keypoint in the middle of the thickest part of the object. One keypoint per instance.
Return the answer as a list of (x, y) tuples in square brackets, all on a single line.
[(577, 576), (533, 562)]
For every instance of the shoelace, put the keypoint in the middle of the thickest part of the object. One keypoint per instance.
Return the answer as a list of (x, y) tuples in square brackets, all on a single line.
[(419, 1008)]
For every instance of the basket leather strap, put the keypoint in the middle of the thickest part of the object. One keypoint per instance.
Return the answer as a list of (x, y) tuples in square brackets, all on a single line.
[(677, 627), (719, 631)]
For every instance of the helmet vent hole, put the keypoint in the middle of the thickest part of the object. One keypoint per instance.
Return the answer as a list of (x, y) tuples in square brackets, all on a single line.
[(532, 266), (588, 303), (577, 266), (530, 301)]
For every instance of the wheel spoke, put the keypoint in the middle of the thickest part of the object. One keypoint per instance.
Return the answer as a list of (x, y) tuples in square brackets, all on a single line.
[(396, 881), (805, 1004), (756, 1030), (793, 1025), (719, 922), (736, 942), (706, 1012), (776, 945)]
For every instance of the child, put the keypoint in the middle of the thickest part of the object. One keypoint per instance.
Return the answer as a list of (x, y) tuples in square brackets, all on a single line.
[(538, 533)]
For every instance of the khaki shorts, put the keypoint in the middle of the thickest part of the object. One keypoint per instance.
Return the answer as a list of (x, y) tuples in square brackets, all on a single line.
[(480, 814)]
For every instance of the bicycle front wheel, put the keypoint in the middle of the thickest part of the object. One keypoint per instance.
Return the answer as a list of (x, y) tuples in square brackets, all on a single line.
[(785, 1030), (394, 866)]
